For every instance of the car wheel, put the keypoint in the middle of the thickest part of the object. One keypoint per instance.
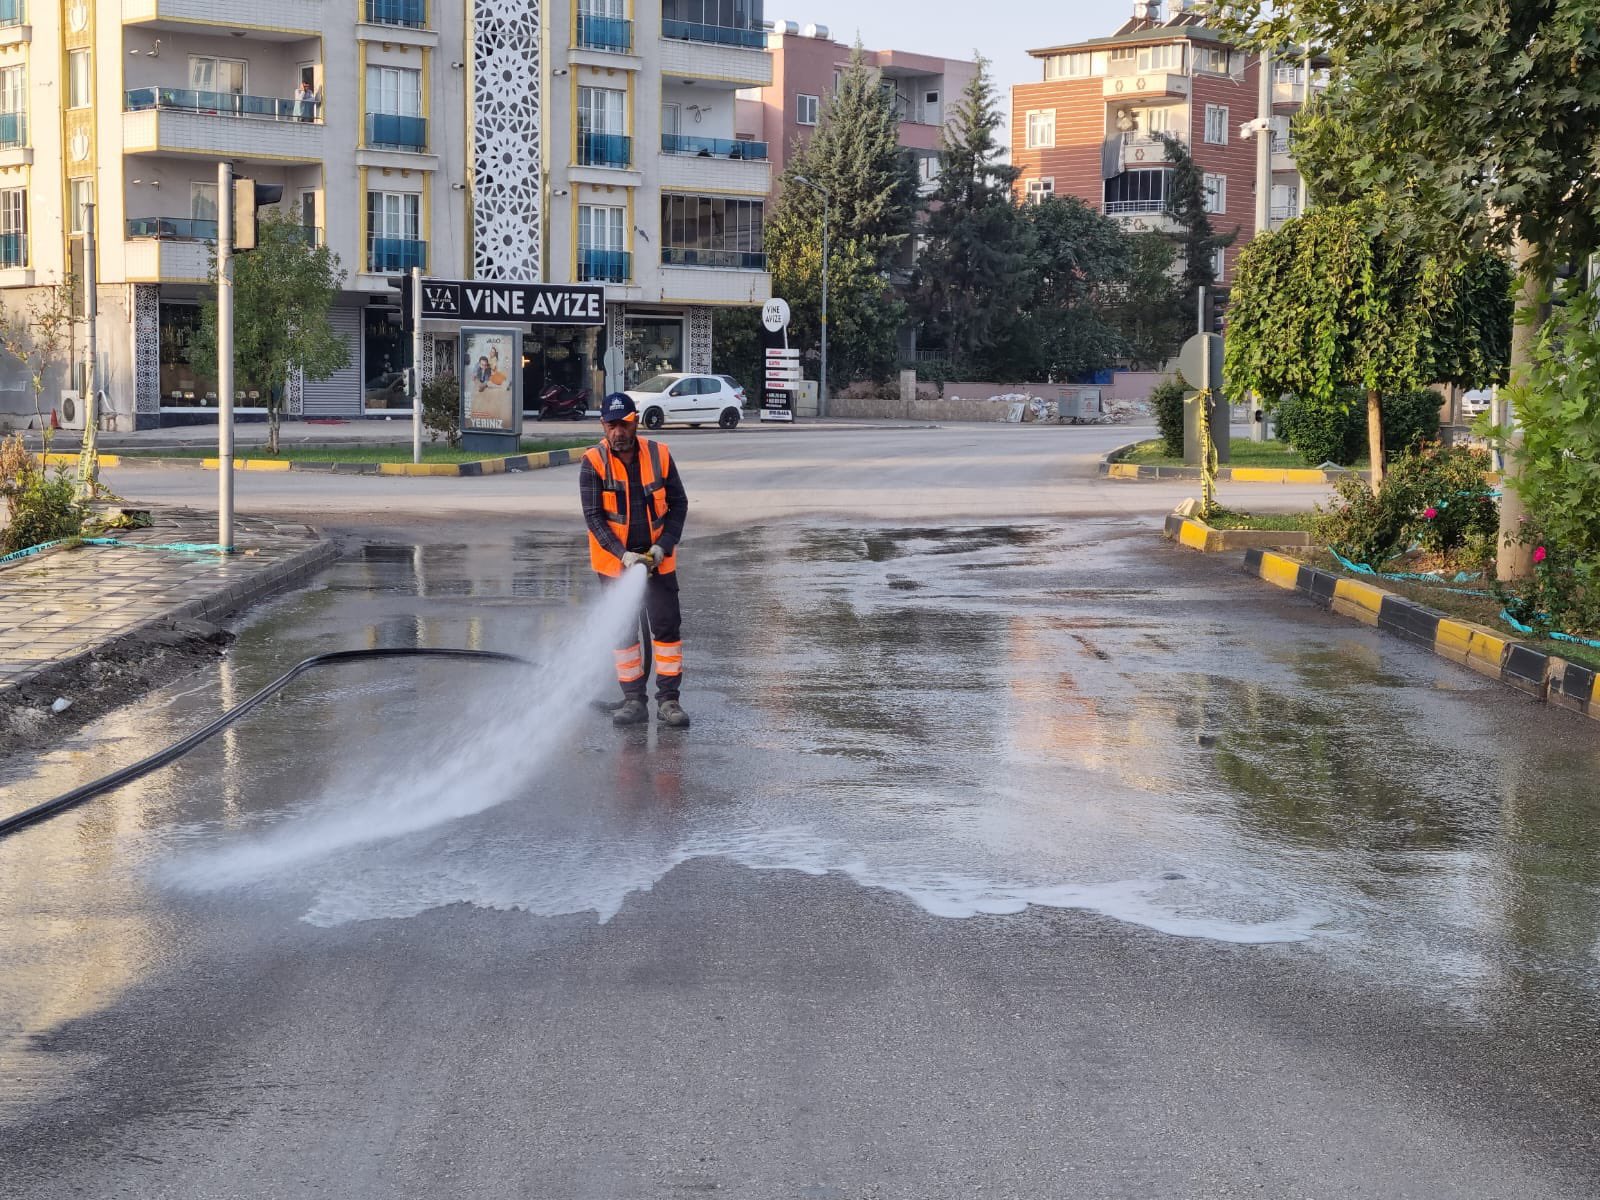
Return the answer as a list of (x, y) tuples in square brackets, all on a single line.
[(653, 418), (729, 418)]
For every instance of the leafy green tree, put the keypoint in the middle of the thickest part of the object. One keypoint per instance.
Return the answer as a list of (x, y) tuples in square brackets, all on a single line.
[(36, 340), (1149, 308), (1327, 302), (283, 292), (978, 251), (854, 154)]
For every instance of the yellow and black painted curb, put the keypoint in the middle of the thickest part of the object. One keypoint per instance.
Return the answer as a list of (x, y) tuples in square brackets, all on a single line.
[(1197, 535), (1528, 669), (486, 466), (1112, 469)]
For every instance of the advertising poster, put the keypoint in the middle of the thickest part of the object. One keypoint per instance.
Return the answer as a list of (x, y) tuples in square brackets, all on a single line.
[(491, 381)]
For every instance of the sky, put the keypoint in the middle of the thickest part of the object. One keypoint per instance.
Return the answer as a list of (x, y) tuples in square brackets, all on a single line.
[(1003, 31)]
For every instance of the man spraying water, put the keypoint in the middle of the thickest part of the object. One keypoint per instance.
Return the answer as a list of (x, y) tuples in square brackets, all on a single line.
[(635, 505)]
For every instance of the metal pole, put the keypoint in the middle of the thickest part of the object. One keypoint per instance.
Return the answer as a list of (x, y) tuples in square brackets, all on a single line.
[(1200, 313), (88, 461), (822, 386), (1258, 423), (225, 357), (416, 364)]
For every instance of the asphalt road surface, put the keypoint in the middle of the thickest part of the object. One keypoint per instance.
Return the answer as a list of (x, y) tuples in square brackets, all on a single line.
[(1012, 854)]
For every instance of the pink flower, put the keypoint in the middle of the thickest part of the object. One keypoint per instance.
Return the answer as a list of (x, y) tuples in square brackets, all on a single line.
[(1540, 554), (1430, 513)]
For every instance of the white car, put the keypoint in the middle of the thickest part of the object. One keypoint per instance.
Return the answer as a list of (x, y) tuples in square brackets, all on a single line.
[(694, 400)]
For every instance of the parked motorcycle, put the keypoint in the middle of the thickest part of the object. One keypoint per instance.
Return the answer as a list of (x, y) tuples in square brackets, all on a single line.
[(561, 403)]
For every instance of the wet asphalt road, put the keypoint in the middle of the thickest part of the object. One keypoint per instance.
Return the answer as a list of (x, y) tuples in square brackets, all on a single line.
[(1012, 859)]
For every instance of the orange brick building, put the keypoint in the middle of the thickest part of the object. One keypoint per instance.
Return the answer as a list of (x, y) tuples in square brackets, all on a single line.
[(1091, 127)]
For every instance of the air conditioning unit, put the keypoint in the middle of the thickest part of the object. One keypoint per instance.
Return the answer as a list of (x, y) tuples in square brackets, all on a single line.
[(69, 410)]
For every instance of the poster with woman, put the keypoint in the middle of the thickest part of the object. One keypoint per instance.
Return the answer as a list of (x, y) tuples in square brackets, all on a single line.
[(491, 380)]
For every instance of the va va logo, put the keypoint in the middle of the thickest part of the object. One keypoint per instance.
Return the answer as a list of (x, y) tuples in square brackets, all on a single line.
[(442, 299)]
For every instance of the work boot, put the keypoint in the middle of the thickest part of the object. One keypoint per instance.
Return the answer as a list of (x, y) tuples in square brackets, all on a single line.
[(632, 712), (670, 712)]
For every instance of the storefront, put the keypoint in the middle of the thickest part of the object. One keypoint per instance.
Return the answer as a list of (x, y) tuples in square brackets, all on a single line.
[(652, 344)]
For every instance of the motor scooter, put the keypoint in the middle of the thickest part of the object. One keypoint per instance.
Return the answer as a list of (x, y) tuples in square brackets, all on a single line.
[(560, 403)]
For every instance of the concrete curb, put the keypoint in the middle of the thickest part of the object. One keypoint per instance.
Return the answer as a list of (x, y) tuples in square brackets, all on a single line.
[(1531, 671), (1197, 535), (281, 576), (1110, 468), (487, 466)]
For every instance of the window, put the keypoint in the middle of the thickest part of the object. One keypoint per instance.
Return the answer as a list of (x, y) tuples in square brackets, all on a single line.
[(80, 192), (394, 231), (1041, 128), (600, 227), (1219, 262), (1160, 58), (710, 231), (930, 98), (225, 75), (1069, 66), (396, 91), (1210, 59), (1040, 190), (77, 79), (671, 120), (14, 227), (1159, 120), (838, 79), (602, 110), (1217, 124), (13, 90), (1123, 54), (1216, 193), (806, 109), (1137, 191), (724, 14), (203, 201)]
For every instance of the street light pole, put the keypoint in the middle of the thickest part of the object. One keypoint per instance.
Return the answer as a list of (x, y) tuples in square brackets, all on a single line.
[(225, 357), (822, 385)]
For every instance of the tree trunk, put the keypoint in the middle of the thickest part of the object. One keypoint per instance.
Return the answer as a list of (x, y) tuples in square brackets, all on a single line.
[(1375, 437), (1513, 556), (272, 428)]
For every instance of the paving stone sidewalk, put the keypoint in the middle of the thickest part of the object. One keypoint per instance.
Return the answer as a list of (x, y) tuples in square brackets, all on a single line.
[(59, 606)]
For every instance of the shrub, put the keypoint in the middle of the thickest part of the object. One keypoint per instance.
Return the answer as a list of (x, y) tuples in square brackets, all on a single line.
[(1364, 527), (1437, 498), (1563, 594), (441, 409), (1320, 433), (1409, 419), (42, 507), (1167, 401)]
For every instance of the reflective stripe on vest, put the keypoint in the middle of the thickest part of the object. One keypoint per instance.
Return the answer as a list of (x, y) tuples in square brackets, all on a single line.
[(654, 462)]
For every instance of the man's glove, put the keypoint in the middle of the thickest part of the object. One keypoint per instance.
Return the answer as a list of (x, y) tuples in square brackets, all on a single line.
[(657, 556), (630, 559)]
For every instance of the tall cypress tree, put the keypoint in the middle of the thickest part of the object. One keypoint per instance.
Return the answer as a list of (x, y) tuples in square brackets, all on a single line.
[(1186, 202), (973, 271)]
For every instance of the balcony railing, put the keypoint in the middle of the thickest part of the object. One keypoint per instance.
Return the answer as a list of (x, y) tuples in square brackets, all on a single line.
[(716, 35), (395, 254), (172, 229), (604, 149), (413, 14), (220, 104), (739, 260), (13, 12), (673, 143), (13, 250), (604, 33), (1284, 212), (402, 133), (1113, 207), (13, 130), (604, 266)]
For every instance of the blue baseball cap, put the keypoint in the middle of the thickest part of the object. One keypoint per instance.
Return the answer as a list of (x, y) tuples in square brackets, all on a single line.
[(618, 407)]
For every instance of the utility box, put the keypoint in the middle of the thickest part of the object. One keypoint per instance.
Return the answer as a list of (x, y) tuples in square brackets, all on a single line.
[(805, 398), (1081, 404)]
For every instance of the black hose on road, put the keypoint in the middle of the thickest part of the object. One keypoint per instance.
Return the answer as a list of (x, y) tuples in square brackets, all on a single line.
[(137, 770)]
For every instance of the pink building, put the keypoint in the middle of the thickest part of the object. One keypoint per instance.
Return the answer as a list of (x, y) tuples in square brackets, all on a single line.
[(806, 67)]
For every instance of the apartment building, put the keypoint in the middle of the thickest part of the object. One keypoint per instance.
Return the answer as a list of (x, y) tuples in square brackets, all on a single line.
[(1092, 126), (502, 139), (652, 193), (807, 65)]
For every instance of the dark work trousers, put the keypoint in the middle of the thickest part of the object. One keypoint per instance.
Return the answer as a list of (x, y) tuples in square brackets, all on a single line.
[(656, 641)]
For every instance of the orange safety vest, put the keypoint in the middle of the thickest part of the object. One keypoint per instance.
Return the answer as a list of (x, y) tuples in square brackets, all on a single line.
[(654, 462)]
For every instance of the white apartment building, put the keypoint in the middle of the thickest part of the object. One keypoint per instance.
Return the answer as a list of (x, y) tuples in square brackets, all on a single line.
[(491, 139)]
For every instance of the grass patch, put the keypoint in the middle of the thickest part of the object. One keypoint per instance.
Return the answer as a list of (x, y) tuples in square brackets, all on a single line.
[(1245, 453), (400, 452), (1480, 610), (1227, 518)]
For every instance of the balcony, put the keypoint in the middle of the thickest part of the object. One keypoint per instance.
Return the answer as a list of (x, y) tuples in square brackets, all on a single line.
[(160, 258), (220, 104), (388, 255), (605, 150), (13, 130), (181, 229), (182, 121), (12, 14), (1283, 155), (694, 164), (1148, 83), (673, 143), (714, 35), (393, 132), (1142, 150), (604, 33), (604, 266), (728, 260), (1141, 216), (13, 251), (286, 20), (408, 14)]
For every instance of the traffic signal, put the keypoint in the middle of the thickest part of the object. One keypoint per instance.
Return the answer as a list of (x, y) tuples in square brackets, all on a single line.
[(402, 283), (248, 196)]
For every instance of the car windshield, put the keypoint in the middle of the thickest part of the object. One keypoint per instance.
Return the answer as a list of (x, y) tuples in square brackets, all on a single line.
[(659, 384)]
